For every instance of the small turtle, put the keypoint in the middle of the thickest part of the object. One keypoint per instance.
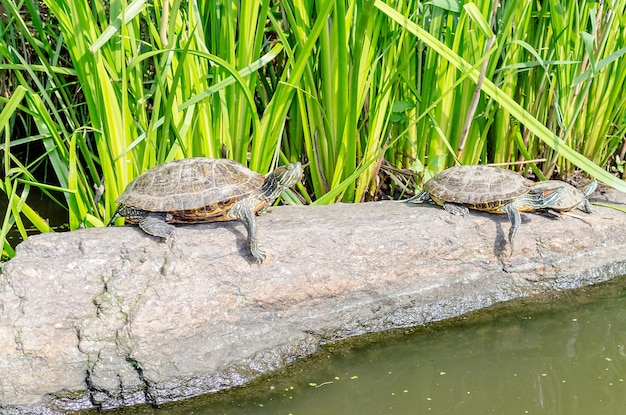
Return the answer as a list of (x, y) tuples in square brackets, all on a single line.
[(573, 198), (487, 189), (200, 189)]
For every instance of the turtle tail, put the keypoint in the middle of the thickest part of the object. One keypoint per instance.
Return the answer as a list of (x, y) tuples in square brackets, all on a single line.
[(115, 215), (421, 197)]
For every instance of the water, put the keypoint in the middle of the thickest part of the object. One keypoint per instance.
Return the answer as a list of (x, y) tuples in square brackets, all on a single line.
[(55, 214), (559, 355)]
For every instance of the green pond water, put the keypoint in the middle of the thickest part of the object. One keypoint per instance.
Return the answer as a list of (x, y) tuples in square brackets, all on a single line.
[(562, 354)]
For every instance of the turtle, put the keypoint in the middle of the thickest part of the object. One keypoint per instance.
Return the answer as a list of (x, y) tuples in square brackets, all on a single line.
[(199, 189), (488, 189), (574, 198)]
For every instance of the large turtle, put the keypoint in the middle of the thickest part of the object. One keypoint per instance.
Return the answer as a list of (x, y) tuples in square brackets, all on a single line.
[(488, 189), (203, 190), (574, 198)]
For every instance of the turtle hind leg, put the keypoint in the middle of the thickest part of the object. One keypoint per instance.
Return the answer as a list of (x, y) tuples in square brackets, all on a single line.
[(154, 224), (456, 209)]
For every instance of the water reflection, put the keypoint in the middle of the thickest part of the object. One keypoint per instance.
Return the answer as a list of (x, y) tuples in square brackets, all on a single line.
[(566, 357)]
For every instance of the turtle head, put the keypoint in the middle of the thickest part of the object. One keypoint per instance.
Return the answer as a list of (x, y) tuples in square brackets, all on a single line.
[(545, 197), (589, 188), (280, 179)]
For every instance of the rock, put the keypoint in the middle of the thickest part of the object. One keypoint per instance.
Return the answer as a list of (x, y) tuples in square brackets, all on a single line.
[(111, 317)]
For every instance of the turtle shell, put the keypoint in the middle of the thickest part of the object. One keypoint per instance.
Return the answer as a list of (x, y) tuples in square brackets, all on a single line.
[(476, 186), (193, 189)]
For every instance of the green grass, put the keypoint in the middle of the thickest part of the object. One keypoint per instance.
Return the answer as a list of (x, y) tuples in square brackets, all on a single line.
[(351, 88)]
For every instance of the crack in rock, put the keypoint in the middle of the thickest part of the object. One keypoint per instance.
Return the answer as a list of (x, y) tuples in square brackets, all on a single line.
[(112, 377)]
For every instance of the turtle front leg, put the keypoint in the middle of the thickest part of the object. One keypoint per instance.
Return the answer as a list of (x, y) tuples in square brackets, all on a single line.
[(515, 219), (242, 212), (585, 206), (587, 190)]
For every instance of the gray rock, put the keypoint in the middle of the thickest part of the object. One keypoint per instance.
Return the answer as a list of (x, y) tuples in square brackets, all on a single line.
[(111, 317)]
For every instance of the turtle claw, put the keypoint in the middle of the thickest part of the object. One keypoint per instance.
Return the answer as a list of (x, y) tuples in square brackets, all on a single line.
[(170, 239), (258, 253)]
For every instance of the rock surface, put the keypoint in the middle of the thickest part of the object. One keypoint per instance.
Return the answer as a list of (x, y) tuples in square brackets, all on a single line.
[(110, 317)]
